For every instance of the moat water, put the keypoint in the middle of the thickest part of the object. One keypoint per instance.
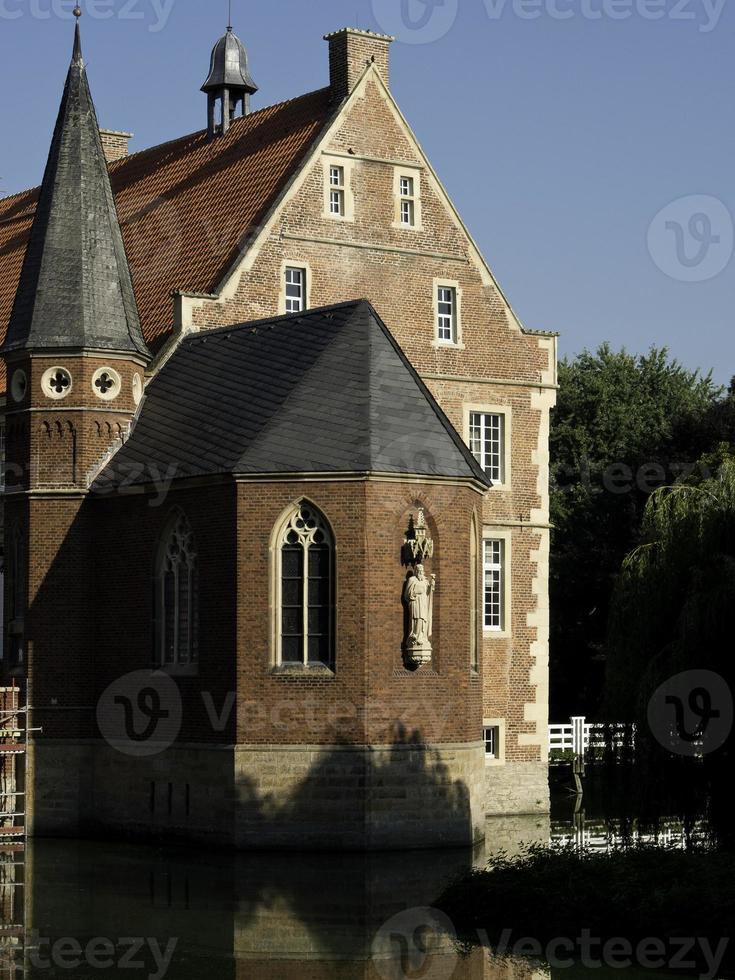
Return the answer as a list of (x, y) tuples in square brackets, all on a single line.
[(87, 910)]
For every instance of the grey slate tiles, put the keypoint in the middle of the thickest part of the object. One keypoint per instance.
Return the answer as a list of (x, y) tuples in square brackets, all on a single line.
[(324, 391), (75, 289)]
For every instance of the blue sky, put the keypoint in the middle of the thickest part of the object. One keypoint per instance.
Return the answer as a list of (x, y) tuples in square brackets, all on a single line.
[(588, 144)]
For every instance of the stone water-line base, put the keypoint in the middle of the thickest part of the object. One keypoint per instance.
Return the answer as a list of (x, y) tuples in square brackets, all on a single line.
[(517, 787), (263, 796)]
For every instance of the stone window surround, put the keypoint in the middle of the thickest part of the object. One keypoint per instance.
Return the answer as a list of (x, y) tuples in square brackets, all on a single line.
[(487, 408), (498, 723), (414, 172), (348, 166), (475, 592), (276, 665), (294, 264), (491, 533)]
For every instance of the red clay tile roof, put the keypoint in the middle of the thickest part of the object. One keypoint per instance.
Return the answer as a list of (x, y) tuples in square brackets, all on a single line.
[(186, 207)]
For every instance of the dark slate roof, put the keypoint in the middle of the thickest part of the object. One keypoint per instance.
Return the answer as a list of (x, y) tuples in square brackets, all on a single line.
[(326, 391), (75, 288), (229, 66)]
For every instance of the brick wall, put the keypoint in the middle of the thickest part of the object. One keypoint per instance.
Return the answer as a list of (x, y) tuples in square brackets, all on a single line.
[(350, 52), (496, 364)]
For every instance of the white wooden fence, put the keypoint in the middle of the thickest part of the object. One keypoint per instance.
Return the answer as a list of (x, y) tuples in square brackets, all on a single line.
[(579, 736), (596, 835)]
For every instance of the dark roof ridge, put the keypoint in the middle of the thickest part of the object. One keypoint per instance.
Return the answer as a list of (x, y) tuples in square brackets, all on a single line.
[(266, 322), (438, 411), (202, 335)]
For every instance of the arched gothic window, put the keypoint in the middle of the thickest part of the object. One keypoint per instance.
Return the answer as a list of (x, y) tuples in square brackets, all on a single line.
[(176, 595), (305, 627)]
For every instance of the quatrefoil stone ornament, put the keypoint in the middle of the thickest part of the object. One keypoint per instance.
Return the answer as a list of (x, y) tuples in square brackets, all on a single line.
[(56, 382), (106, 383)]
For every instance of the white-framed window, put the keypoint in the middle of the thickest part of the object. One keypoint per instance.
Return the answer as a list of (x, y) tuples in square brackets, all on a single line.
[(407, 186), (337, 191), (339, 201), (494, 584), (407, 197), (446, 312), (176, 598), (491, 737), (305, 629), (487, 443), (295, 289)]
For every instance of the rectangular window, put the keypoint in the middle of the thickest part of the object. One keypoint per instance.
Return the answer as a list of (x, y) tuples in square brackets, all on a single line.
[(292, 604), (295, 290), (408, 201), (337, 191), (447, 314), (492, 742), (487, 443), (494, 584)]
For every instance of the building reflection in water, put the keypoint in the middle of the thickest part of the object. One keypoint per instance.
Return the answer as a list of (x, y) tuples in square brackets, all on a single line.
[(242, 916)]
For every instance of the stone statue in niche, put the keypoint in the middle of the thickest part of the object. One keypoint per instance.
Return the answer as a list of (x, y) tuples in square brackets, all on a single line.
[(418, 593), (419, 598)]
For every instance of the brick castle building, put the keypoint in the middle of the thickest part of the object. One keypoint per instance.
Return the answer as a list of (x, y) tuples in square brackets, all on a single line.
[(276, 524)]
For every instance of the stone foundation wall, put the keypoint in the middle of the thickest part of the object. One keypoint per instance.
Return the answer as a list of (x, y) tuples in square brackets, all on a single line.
[(321, 797), (350, 797), (517, 787)]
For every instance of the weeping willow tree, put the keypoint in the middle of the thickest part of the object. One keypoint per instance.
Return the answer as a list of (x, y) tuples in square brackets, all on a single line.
[(672, 611)]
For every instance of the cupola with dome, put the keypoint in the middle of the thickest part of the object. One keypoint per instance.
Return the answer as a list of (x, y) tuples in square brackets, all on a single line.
[(229, 83)]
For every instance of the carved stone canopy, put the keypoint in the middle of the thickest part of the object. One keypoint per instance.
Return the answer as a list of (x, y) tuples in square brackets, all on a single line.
[(417, 545)]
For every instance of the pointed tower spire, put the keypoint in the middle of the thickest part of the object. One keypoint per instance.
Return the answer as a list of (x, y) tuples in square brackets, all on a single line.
[(75, 290)]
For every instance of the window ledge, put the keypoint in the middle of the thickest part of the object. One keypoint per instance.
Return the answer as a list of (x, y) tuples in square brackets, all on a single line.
[(447, 345), (178, 670), (309, 671)]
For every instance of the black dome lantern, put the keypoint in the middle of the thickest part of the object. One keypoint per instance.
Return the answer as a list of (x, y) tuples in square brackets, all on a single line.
[(229, 82)]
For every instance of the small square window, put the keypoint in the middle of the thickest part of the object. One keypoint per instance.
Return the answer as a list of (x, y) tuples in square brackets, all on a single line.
[(447, 314), (492, 742), (295, 290)]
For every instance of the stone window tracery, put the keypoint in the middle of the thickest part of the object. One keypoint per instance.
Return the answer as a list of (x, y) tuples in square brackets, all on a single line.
[(176, 596), (305, 631)]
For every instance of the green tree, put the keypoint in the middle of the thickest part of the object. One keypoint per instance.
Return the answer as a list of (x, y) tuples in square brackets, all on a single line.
[(670, 613), (624, 426), (673, 600)]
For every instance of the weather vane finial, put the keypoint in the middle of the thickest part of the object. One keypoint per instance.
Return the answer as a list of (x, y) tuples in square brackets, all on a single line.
[(229, 15), (77, 11)]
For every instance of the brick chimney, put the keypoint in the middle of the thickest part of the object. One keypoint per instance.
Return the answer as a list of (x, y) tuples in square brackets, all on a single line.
[(350, 51), (115, 144)]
